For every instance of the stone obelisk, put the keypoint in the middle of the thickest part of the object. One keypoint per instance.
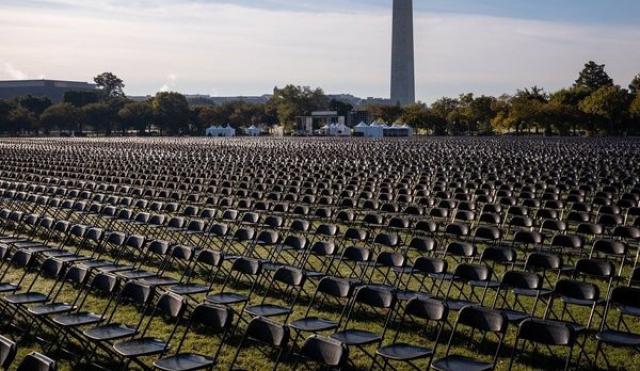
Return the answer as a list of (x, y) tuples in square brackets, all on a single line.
[(403, 89)]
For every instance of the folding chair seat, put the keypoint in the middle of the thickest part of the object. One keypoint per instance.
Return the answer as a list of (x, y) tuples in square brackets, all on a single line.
[(617, 330), (76, 277), (481, 320), (244, 237), (16, 302), (207, 264), (471, 276), (356, 259), (513, 286), (332, 295), (318, 259), (20, 260), (134, 294), (264, 244), (103, 285), (266, 333), (205, 318), (171, 307), (250, 270), (386, 270), (548, 333), (574, 294), (131, 246), (380, 304), (417, 314), (286, 284)]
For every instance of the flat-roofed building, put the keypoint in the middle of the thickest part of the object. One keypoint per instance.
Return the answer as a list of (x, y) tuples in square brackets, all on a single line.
[(52, 89)]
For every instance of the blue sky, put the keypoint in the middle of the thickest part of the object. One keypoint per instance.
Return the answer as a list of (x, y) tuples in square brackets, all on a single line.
[(245, 47)]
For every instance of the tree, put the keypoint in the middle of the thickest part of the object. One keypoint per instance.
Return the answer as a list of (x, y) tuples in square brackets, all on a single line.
[(110, 84), (61, 116), (137, 115), (171, 112), (415, 115), (386, 113), (5, 110), (634, 87), (292, 101), (343, 108), (593, 77), (481, 111), (608, 106), (21, 119), (81, 98), (35, 105), (634, 114), (98, 115)]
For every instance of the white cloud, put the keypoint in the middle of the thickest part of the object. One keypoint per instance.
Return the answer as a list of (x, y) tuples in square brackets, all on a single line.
[(243, 51), (10, 72)]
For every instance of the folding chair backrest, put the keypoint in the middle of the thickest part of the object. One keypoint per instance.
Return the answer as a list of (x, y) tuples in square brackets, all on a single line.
[(36, 362), (8, 349)]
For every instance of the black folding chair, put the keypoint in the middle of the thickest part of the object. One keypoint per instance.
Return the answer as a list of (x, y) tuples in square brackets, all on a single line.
[(427, 315), (484, 321), (374, 305), (551, 334), (616, 330), (323, 352), (268, 333), (206, 319), (171, 307)]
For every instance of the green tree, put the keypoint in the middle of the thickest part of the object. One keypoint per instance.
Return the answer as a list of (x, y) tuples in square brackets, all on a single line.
[(593, 77), (292, 101), (137, 115), (634, 86), (416, 116), (634, 114), (343, 108), (35, 105), (5, 109), (386, 113), (21, 120), (110, 84), (61, 116), (82, 98), (608, 106), (98, 115), (171, 112), (482, 113)]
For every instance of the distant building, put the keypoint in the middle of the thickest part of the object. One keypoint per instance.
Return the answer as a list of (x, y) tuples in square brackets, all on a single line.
[(357, 116), (52, 89), (310, 124)]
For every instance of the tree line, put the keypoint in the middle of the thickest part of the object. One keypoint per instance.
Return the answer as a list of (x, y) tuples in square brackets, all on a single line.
[(594, 104)]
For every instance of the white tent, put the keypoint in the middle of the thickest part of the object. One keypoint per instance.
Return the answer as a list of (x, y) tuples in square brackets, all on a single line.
[(219, 131), (362, 129), (340, 130), (376, 130), (229, 131), (253, 131)]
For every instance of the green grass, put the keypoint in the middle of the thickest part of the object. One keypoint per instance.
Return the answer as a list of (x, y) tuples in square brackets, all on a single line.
[(252, 359)]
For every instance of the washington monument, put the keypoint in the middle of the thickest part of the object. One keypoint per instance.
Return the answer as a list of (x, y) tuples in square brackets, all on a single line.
[(403, 90)]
